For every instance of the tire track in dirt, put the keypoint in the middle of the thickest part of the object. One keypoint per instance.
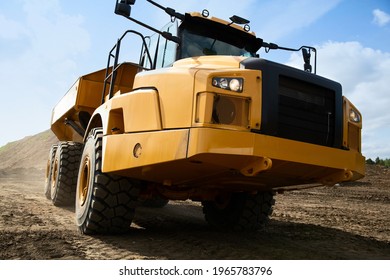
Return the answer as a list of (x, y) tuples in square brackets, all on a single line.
[(350, 222)]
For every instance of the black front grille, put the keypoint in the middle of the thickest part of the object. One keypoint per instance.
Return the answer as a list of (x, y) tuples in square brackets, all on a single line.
[(306, 112), (298, 105)]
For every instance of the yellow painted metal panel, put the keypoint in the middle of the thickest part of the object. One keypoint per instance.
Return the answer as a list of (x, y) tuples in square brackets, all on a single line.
[(218, 141), (214, 141), (208, 156), (86, 95), (351, 130), (210, 62), (133, 150), (175, 88), (66, 103), (252, 91), (140, 109)]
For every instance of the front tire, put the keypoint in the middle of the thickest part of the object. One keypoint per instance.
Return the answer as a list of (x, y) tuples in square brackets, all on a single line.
[(240, 211), (105, 203)]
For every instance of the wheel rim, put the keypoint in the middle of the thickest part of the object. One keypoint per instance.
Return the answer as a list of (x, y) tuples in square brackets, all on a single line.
[(47, 169), (54, 176), (84, 181)]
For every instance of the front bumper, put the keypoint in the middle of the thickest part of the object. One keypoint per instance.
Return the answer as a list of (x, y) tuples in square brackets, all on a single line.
[(216, 157)]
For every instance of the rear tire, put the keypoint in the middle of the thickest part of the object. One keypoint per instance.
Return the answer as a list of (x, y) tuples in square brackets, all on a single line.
[(105, 203), (49, 169), (64, 173), (241, 212)]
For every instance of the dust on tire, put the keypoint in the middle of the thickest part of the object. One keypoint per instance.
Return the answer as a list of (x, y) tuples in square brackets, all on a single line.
[(105, 203), (64, 173)]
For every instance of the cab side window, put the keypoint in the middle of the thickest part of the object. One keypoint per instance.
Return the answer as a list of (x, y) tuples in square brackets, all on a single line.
[(166, 50)]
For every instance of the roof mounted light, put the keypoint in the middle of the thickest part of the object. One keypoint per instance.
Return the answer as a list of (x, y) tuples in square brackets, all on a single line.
[(239, 20), (205, 13)]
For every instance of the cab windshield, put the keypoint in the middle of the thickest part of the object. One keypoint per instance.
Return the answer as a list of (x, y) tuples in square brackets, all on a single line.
[(202, 36), (194, 44)]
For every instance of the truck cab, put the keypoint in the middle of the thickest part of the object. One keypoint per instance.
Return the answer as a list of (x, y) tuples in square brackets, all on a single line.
[(199, 36)]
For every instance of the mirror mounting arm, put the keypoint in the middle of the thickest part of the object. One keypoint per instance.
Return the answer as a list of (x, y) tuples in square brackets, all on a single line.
[(306, 52), (169, 11), (166, 35), (123, 8)]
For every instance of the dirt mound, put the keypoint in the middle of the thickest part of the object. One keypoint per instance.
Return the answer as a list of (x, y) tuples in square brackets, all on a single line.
[(29, 152)]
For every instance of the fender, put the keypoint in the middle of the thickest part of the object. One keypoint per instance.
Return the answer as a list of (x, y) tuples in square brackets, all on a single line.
[(96, 121), (135, 111)]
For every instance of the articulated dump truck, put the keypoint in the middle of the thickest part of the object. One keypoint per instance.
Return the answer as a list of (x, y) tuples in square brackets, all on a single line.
[(199, 116)]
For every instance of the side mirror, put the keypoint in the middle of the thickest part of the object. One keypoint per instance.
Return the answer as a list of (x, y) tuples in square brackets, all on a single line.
[(306, 59), (123, 7)]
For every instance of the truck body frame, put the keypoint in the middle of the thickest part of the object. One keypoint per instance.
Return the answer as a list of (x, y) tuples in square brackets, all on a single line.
[(209, 126)]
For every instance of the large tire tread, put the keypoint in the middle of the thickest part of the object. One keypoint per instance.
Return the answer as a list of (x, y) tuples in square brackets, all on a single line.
[(68, 160), (112, 201), (244, 212), (49, 170)]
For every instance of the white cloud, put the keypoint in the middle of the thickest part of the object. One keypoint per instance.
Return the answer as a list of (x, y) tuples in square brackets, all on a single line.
[(364, 74), (380, 17), (277, 19), (38, 67), (53, 33)]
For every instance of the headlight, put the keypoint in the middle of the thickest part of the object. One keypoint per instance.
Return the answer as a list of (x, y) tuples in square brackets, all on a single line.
[(352, 128), (354, 116), (219, 109), (224, 110), (233, 84)]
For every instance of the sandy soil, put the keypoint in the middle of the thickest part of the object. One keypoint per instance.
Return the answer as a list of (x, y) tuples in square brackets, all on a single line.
[(346, 222)]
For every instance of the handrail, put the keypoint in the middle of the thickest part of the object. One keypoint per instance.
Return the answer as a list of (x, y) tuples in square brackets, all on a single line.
[(110, 77)]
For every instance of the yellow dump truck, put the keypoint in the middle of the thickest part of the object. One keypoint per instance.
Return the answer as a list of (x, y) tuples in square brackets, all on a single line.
[(200, 116)]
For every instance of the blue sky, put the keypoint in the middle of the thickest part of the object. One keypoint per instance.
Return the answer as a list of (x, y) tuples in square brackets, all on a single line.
[(46, 45)]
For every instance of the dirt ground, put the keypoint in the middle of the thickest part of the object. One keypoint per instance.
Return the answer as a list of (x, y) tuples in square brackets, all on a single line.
[(351, 221)]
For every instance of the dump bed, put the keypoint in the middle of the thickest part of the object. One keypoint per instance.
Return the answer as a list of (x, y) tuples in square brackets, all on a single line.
[(81, 100)]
